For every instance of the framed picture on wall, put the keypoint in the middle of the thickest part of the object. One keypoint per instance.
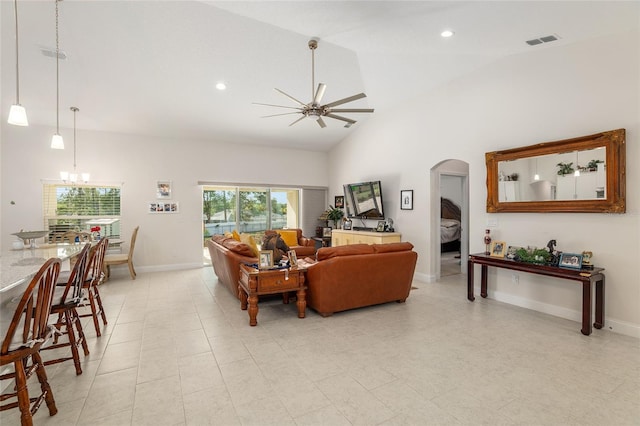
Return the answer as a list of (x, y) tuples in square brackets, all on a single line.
[(406, 199), (163, 190), (339, 202)]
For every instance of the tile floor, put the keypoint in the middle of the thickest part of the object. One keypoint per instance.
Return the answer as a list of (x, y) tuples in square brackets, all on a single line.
[(179, 351)]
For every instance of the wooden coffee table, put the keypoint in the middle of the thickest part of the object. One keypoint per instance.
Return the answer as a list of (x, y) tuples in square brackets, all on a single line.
[(254, 282)]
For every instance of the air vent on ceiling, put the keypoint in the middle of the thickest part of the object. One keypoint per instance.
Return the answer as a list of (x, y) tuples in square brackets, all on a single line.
[(545, 39), (51, 53)]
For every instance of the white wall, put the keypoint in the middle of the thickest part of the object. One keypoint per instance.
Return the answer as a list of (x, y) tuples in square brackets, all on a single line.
[(549, 94), (164, 241)]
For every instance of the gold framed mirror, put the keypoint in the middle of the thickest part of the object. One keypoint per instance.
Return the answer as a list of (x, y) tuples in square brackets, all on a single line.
[(580, 175)]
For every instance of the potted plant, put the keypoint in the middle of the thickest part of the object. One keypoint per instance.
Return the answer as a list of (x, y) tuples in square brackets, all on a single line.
[(335, 214), (593, 165), (565, 168)]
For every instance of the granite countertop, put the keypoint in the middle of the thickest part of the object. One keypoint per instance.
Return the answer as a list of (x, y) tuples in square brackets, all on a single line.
[(19, 266)]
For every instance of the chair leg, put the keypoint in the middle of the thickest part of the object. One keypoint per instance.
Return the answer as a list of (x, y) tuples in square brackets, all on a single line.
[(131, 270), (81, 338), (99, 300), (22, 393), (44, 384), (94, 313), (72, 340)]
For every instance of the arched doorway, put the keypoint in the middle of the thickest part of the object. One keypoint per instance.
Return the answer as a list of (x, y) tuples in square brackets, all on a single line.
[(449, 180)]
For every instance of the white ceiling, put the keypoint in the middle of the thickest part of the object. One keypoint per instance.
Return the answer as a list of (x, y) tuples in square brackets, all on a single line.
[(150, 67)]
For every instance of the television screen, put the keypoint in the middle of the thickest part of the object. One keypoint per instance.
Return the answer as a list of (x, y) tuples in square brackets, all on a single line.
[(364, 200)]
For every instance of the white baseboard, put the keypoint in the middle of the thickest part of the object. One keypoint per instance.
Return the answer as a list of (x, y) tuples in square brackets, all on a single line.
[(610, 324), (424, 278)]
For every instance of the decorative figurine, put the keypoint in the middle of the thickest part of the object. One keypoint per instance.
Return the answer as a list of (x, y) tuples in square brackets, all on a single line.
[(551, 246), (487, 241), (586, 260)]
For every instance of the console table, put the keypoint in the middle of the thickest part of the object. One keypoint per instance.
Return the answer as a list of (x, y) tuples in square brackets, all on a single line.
[(585, 276), (343, 237)]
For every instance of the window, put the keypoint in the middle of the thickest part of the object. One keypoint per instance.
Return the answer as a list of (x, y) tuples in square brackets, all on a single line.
[(249, 209), (81, 207)]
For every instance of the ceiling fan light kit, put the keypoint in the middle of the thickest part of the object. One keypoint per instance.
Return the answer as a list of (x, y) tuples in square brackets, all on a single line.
[(315, 109)]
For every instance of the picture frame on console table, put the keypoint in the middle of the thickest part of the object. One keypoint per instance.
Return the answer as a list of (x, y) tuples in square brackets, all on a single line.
[(326, 232), (380, 227), (406, 199), (498, 248), (265, 259), (570, 261)]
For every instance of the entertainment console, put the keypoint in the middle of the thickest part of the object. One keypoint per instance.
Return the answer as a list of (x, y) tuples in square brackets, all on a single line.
[(341, 237)]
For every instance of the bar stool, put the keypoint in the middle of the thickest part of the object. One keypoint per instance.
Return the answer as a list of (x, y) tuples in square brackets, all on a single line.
[(65, 301), (26, 334)]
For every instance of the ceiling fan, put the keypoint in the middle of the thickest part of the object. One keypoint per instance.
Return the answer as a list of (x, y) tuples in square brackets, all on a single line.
[(314, 109)]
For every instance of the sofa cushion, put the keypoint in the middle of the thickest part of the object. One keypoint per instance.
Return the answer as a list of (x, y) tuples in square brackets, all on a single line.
[(290, 236), (235, 234), (251, 242), (350, 250), (391, 247), (237, 247)]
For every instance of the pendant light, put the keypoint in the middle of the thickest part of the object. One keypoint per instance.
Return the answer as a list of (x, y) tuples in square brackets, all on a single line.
[(577, 172), (17, 113), (73, 177), (56, 141), (536, 176)]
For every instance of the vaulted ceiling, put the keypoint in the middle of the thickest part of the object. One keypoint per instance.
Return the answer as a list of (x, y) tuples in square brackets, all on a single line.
[(150, 67)]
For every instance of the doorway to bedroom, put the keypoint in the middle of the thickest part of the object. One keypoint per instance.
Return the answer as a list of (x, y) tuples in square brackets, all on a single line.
[(449, 223)]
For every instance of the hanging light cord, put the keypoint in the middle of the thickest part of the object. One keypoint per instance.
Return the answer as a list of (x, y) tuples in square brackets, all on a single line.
[(15, 8), (74, 109), (313, 75), (57, 76)]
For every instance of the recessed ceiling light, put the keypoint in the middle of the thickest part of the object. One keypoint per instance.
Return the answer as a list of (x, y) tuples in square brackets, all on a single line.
[(447, 33), (221, 86)]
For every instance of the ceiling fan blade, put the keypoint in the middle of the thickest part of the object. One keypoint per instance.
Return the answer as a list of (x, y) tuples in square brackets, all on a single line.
[(352, 110), (304, 116), (338, 117), (321, 122), (319, 93), (279, 106), (345, 100), (290, 97), (276, 115)]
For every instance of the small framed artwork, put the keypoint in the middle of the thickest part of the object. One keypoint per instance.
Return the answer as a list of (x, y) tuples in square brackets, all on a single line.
[(498, 248), (339, 201), (163, 190), (169, 207), (265, 258), (570, 260), (326, 232), (293, 258), (406, 199), (380, 227)]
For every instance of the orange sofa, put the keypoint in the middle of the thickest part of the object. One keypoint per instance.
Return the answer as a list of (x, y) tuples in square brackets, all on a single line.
[(358, 275)]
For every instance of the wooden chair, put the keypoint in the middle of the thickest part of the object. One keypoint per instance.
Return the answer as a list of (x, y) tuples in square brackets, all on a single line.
[(93, 278), (66, 300), (26, 334), (122, 258)]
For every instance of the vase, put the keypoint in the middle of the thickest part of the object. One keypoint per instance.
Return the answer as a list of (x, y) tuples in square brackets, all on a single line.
[(487, 241)]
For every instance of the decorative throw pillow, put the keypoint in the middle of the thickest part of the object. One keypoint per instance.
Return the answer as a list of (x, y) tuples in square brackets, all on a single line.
[(236, 236), (251, 242), (273, 241), (290, 236)]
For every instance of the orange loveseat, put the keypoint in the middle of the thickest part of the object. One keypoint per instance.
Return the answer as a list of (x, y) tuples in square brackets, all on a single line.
[(358, 275)]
